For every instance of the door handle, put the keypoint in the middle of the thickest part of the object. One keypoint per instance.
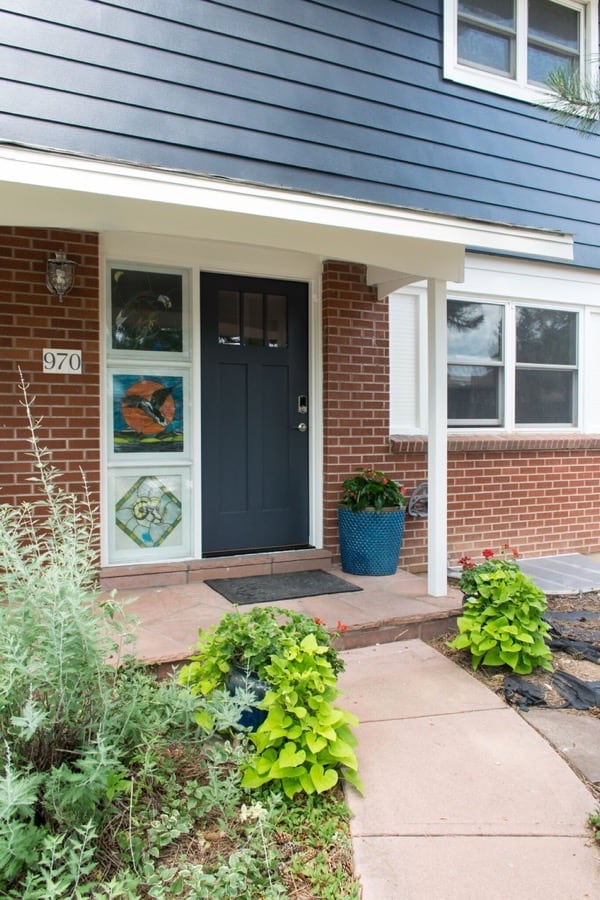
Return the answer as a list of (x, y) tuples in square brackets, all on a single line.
[(302, 426)]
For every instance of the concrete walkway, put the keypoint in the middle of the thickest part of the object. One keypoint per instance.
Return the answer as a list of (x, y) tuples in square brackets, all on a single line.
[(463, 798)]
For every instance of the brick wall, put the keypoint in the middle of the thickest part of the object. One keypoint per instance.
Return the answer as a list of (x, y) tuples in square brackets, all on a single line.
[(356, 397), (30, 321), (538, 493)]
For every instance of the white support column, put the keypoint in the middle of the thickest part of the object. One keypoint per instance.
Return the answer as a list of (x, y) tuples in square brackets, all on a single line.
[(437, 462)]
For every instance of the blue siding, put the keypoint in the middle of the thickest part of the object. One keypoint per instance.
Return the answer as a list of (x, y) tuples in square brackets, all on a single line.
[(342, 97)]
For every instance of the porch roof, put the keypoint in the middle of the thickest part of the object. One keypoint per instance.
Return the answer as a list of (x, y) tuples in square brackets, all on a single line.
[(45, 188)]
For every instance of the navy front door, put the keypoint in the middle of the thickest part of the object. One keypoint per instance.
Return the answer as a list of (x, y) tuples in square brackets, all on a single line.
[(254, 416)]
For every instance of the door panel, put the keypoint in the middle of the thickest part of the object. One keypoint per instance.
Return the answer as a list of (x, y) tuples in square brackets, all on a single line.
[(254, 458)]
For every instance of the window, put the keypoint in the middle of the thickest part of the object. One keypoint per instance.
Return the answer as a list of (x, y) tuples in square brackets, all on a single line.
[(511, 46), (511, 365)]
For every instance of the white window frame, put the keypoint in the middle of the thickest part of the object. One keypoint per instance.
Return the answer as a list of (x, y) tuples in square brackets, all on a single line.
[(509, 366), (517, 87)]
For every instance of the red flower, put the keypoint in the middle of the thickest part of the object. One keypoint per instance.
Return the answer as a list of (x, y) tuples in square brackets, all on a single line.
[(341, 627), (319, 621), (466, 562), (487, 554)]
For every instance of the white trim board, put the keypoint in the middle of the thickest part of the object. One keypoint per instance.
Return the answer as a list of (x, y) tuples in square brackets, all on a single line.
[(48, 189)]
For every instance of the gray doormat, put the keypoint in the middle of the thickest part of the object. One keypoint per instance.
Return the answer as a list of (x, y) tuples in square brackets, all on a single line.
[(283, 586)]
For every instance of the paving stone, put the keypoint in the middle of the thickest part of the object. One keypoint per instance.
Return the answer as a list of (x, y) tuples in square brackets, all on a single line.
[(577, 737)]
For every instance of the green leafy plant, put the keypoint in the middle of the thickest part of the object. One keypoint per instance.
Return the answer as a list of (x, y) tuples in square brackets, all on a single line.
[(250, 640), (502, 623), (370, 489), (594, 821), (108, 788), (305, 741)]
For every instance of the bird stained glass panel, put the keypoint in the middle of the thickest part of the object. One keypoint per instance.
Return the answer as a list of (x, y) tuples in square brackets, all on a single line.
[(148, 413)]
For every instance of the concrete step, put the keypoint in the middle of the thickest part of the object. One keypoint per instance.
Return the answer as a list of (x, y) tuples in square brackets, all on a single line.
[(167, 574)]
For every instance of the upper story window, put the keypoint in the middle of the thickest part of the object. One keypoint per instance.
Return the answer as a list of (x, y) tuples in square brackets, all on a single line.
[(511, 365), (511, 46)]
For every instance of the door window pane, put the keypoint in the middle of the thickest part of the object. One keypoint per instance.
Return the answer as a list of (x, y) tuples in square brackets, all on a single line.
[(544, 397), (546, 336), (277, 320), (254, 334), (474, 394), (229, 329)]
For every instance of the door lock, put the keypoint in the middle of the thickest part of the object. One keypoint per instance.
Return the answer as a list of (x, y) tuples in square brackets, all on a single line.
[(302, 426), (302, 404)]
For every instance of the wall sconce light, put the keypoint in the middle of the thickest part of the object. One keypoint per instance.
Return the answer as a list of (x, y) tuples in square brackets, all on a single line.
[(60, 274)]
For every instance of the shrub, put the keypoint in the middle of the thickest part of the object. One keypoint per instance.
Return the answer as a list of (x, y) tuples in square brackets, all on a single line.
[(107, 786), (502, 623), (304, 742)]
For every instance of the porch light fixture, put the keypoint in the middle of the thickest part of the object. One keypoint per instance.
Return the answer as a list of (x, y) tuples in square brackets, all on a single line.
[(60, 274)]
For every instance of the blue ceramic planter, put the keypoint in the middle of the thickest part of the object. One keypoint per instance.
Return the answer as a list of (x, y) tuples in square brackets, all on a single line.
[(370, 541), (241, 678)]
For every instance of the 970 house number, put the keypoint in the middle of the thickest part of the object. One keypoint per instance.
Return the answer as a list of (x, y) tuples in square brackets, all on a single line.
[(66, 361)]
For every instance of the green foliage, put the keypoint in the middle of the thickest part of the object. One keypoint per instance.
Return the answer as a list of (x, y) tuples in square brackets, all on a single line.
[(305, 740), (594, 821), (250, 640), (372, 489), (502, 623), (574, 100), (106, 782)]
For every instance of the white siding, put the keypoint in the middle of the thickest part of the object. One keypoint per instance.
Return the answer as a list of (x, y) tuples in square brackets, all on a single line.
[(591, 407), (408, 375)]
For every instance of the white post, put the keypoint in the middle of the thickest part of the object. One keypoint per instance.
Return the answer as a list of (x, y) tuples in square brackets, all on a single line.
[(437, 461)]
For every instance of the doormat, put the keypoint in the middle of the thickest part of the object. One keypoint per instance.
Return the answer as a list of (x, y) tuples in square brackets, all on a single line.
[(283, 586)]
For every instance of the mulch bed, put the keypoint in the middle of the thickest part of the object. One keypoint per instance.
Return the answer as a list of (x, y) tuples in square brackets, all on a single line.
[(583, 623)]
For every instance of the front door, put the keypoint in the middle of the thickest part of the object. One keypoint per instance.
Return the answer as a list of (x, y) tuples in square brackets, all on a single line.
[(254, 414)]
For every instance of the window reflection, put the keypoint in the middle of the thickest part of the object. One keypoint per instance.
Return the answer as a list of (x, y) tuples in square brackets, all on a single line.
[(252, 319), (474, 330), (229, 330), (276, 320), (473, 394), (544, 397), (546, 336), (254, 334), (486, 34)]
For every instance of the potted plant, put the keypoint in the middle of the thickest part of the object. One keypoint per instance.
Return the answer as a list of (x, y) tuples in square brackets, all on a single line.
[(502, 623), (303, 741), (371, 523)]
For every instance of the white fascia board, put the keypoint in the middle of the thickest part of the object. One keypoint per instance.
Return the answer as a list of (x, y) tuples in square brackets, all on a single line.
[(99, 195)]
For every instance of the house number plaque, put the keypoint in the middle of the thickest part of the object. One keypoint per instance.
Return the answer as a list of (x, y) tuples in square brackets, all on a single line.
[(64, 362)]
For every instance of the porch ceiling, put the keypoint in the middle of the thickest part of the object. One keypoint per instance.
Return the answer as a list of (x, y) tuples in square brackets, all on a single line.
[(399, 246)]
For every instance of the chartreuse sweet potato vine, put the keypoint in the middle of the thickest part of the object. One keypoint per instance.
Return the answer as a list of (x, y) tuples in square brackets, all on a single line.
[(502, 623), (305, 743), (305, 740)]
